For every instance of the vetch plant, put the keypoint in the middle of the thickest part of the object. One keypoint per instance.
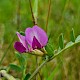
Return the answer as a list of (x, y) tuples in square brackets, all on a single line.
[(34, 38), (36, 42)]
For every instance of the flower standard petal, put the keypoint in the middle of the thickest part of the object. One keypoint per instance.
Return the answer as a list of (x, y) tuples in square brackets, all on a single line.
[(41, 35), (29, 33), (19, 47)]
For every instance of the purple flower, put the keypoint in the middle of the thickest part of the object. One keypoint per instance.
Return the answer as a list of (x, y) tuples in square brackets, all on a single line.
[(21, 46), (35, 38)]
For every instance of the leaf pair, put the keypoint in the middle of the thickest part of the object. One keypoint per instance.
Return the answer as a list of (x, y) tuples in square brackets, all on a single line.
[(49, 50), (22, 65), (61, 39), (72, 38)]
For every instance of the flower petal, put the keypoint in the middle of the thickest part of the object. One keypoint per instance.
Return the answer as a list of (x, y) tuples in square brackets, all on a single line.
[(29, 33), (35, 43), (22, 40), (19, 47), (40, 35)]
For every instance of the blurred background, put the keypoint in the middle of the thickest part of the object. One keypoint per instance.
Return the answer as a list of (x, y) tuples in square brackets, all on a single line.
[(15, 15)]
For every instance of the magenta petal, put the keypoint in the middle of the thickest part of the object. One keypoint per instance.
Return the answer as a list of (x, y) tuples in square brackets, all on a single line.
[(35, 43), (22, 40), (29, 33), (41, 35), (19, 47)]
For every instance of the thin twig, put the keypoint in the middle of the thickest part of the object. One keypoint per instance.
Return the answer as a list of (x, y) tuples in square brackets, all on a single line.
[(32, 13), (48, 14)]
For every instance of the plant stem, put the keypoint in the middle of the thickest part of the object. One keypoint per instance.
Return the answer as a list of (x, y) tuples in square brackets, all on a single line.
[(48, 14), (35, 10), (32, 13), (36, 71), (63, 50)]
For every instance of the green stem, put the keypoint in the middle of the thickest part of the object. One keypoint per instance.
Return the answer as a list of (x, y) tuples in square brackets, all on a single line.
[(32, 12), (23, 74), (63, 50), (35, 10), (37, 70), (48, 14)]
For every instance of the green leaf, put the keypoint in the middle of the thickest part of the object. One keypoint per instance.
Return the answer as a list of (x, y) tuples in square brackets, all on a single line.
[(69, 44), (53, 73), (22, 61), (15, 67), (21, 58), (77, 39), (49, 49), (61, 41), (72, 35), (27, 76)]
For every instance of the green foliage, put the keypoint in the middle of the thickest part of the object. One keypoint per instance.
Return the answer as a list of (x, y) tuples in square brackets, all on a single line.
[(65, 14), (49, 50), (27, 76), (72, 35), (15, 67), (69, 44), (61, 41), (35, 8), (22, 59), (77, 39), (53, 73)]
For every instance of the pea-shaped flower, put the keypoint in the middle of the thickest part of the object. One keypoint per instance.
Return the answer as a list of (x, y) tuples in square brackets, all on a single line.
[(35, 38)]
